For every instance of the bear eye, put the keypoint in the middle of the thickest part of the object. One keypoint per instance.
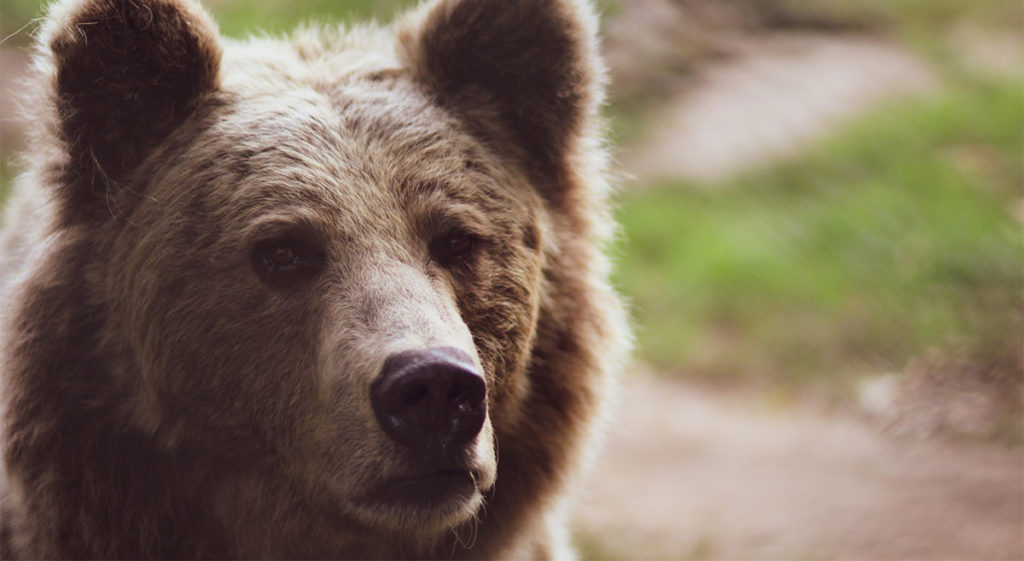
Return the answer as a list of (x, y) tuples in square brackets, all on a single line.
[(454, 248), (286, 261), (281, 257)]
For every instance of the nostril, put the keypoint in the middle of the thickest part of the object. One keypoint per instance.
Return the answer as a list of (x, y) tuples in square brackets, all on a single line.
[(414, 396), (463, 392)]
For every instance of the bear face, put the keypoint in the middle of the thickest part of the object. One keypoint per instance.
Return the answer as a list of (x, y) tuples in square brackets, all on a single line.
[(291, 297), (399, 232)]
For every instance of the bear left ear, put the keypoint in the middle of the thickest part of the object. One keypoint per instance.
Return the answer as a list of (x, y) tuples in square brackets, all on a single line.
[(127, 72), (534, 61)]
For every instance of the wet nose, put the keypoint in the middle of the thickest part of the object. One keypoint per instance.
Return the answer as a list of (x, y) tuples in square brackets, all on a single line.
[(431, 398)]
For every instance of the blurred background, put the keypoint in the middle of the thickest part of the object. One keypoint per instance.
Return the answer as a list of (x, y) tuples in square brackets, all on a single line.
[(821, 205)]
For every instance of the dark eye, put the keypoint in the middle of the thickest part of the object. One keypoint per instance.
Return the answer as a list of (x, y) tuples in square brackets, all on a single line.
[(286, 261), (454, 248)]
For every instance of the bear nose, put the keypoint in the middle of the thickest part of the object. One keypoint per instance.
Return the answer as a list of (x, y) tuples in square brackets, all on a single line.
[(434, 399)]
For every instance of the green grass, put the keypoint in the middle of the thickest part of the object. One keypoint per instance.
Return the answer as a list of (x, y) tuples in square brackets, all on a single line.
[(893, 238), (6, 177), (242, 17)]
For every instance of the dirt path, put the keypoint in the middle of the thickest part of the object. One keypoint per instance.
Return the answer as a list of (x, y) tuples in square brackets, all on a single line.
[(688, 473), (772, 98)]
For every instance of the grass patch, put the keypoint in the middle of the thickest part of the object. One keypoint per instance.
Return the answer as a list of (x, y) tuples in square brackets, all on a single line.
[(242, 17), (893, 238), (6, 177)]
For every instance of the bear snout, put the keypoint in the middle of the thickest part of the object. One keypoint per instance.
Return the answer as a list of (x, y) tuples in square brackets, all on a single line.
[(432, 401)]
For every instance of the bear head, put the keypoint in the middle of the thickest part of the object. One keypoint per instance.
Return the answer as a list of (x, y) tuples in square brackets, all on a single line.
[(331, 277)]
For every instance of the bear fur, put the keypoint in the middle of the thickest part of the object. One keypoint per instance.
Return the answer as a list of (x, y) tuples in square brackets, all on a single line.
[(218, 246)]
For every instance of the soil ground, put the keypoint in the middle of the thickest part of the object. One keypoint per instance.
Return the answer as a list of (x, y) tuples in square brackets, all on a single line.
[(773, 97), (693, 473)]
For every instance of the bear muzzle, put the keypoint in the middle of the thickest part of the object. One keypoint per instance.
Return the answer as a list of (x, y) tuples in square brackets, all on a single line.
[(433, 405)]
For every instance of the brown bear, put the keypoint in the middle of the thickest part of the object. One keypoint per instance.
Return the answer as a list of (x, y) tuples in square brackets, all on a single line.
[(342, 294)]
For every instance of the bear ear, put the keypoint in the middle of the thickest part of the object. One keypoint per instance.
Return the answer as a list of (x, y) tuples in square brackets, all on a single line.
[(126, 72), (534, 61)]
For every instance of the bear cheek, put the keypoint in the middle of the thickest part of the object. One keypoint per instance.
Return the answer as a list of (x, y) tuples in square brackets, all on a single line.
[(210, 340), (501, 312), (265, 369)]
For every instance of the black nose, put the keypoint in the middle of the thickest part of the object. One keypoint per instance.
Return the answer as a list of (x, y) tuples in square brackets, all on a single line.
[(434, 399)]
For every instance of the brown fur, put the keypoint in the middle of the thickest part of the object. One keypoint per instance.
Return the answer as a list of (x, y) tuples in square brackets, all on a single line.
[(159, 400)]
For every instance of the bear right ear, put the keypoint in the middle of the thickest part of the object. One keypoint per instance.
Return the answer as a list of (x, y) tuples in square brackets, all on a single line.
[(126, 73), (534, 62)]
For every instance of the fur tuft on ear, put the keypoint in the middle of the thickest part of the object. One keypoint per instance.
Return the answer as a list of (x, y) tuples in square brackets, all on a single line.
[(127, 72), (534, 61)]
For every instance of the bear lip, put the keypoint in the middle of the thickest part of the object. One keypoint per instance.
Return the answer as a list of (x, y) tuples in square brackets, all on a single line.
[(427, 490)]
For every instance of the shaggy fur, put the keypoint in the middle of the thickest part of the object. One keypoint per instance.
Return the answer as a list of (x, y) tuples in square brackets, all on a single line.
[(164, 398)]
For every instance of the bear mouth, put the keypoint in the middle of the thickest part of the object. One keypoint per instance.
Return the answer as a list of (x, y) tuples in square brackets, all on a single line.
[(432, 490), (422, 503)]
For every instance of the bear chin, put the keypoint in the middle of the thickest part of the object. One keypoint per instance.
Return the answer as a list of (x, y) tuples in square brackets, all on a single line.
[(421, 505)]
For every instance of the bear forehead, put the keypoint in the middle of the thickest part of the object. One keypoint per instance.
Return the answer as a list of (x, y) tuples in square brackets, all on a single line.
[(337, 101), (309, 55), (373, 115), (347, 152)]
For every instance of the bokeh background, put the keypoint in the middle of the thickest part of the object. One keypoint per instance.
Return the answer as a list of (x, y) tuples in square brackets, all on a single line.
[(821, 205)]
